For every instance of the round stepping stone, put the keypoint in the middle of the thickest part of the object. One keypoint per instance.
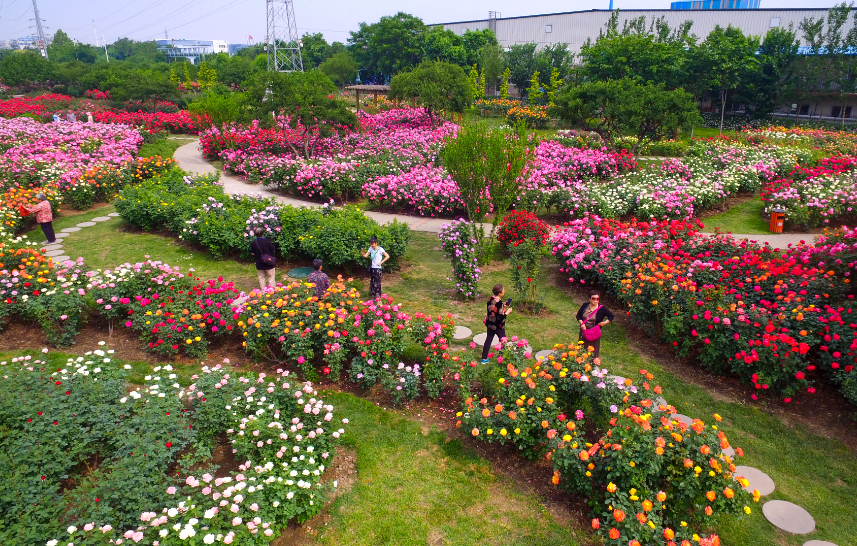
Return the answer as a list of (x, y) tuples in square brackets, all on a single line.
[(661, 401), (70, 230), (789, 517), (300, 272), (683, 418), (730, 452), (818, 543), (479, 339), (52, 253), (543, 354), (758, 480), (462, 332), (86, 224), (527, 349), (58, 259), (101, 219), (113, 214), (48, 248)]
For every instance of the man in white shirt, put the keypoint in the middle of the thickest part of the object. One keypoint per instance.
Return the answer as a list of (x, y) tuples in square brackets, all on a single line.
[(378, 256)]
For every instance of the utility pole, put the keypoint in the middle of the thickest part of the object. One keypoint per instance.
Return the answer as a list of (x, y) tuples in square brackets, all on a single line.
[(283, 43), (96, 40), (43, 44)]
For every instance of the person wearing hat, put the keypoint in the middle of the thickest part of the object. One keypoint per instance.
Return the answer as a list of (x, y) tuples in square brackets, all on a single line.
[(44, 216)]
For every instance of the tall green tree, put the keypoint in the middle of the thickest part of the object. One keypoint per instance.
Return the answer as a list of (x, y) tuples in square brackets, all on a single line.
[(728, 57), (25, 66), (392, 45), (314, 50), (615, 108), (303, 102), (438, 86), (340, 68), (491, 62), (443, 45), (521, 61), (774, 80)]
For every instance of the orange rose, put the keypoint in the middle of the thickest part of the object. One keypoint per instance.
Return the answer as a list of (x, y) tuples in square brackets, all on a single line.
[(584, 456), (661, 496), (614, 533), (669, 534), (705, 450), (596, 524), (728, 493), (711, 496), (498, 408), (512, 415), (611, 487), (647, 505), (619, 515), (475, 432), (708, 511), (688, 463)]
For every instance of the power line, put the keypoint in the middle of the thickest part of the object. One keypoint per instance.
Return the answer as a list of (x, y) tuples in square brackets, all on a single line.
[(147, 8), (167, 16), (105, 17), (18, 17), (236, 2)]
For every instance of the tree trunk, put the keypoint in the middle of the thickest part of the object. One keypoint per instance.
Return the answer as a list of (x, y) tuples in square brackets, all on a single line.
[(722, 108)]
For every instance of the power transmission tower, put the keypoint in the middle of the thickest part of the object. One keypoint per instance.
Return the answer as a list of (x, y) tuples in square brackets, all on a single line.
[(43, 44), (284, 46)]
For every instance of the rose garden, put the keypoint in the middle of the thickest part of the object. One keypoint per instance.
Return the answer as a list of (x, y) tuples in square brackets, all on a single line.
[(151, 393)]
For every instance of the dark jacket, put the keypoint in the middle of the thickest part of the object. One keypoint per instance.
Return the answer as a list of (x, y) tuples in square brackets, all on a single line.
[(599, 316), (259, 247), (493, 318)]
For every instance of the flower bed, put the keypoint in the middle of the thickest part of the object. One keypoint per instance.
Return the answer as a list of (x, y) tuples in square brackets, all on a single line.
[(729, 305), (173, 122), (39, 107), (461, 242), (425, 189), (650, 479), (141, 487), (519, 226)]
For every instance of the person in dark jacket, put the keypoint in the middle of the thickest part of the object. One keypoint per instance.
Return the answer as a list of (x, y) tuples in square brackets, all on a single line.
[(265, 253), (495, 319), (589, 316), (319, 279)]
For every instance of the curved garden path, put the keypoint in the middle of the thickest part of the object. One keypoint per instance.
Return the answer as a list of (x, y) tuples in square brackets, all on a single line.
[(190, 159)]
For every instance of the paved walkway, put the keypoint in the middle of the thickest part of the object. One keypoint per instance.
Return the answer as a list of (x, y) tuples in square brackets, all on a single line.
[(191, 160)]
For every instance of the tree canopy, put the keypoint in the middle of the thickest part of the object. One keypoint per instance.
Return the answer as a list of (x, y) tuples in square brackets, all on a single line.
[(437, 85)]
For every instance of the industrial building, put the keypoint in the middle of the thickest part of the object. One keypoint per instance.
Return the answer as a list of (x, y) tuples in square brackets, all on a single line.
[(576, 27), (192, 50)]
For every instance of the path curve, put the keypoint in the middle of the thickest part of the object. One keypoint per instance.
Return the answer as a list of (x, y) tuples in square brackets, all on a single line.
[(191, 160)]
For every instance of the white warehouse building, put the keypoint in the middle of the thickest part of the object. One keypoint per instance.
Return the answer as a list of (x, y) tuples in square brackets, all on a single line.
[(576, 27)]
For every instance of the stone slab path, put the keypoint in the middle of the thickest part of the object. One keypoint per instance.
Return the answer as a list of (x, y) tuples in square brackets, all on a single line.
[(56, 252), (190, 159)]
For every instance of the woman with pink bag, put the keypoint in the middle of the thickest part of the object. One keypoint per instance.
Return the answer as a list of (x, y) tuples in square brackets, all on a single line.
[(592, 316)]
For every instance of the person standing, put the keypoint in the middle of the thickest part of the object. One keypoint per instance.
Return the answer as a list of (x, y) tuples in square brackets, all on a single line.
[(495, 319), (592, 317), (266, 262), (319, 279), (71, 117), (44, 216), (89, 117), (378, 256)]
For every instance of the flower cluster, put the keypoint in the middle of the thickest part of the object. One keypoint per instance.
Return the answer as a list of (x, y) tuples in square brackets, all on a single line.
[(173, 122), (519, 226), (461, 242)]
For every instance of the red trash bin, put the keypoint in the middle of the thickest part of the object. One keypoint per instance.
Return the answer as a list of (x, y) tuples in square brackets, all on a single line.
[(778, 216)]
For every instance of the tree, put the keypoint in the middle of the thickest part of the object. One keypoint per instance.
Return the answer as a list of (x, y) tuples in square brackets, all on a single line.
[(615, 108), (314, 50), (25, 66), (552, 57), (340, 68), (504, 86), (392, 45), (521, 61), (487, 164), (174, 78), (305, 104), (491, 61), (443, 45), (728, 57), (436, 84), (473, 81), (206, 77), (475, 41), (774, 81), (534, 91)]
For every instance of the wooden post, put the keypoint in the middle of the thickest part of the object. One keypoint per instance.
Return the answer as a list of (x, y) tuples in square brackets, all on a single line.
[(459, 118), (413, 102), (375, 99), (358, 99)]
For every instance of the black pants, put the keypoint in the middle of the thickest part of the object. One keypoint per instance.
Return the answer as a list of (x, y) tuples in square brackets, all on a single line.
[(375, 283), (48, 229), (499, 332)]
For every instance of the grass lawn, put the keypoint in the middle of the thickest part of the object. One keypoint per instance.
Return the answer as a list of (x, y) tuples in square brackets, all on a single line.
[(412, 486), (165, 147), (744, 218)]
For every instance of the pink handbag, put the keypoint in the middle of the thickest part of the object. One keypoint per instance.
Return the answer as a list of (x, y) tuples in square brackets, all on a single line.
[(595, 332)]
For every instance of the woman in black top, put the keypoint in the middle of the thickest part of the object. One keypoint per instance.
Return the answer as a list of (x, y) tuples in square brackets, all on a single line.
[(495, 319), (588, 318), (263, 247)]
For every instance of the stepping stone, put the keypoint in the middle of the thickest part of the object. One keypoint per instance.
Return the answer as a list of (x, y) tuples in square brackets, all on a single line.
[(60, 259), (113, 214), (758, 480), (300, 272), (101, 219), (618, 379), (86, 224), (789, 517), (661, 401), (684, 419), (543, 354), (462, 332), (730, 452), (479, 339), (818, 543), (70, 229), (52, 253), (54, 246)]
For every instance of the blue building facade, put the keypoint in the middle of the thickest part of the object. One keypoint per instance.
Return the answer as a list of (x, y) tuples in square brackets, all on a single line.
[(717, 4)]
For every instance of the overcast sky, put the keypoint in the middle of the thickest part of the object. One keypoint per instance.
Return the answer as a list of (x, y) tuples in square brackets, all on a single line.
[(235, 20)]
